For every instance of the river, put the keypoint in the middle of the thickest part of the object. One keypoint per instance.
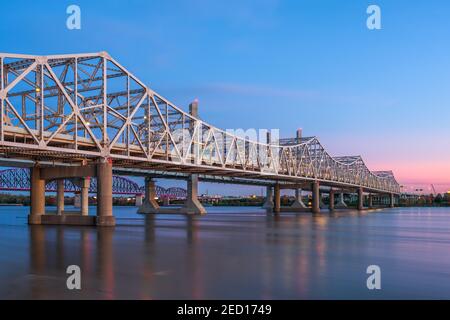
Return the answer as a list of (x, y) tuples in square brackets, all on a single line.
[(231, 253)]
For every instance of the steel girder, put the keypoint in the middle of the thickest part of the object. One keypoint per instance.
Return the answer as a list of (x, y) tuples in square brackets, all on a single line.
[(83, 106)]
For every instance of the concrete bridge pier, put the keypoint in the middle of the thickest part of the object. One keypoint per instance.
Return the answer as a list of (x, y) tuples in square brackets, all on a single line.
[(315, 197), (341, 203), (37, 193), (298, 204), (84, 184), (321, 204), (138, 200), (103, 172), (277, 199), (60, 196), (268, 203), (193, 205), (360, 204), (166, 201), (391, 200), (331, 198), (77, 200), (370, 201), (104, 194), (150, 205)]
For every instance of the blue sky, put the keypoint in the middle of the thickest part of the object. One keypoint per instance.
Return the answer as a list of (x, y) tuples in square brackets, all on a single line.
[(382, 94)]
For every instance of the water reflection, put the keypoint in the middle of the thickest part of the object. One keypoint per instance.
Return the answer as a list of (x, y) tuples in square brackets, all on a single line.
[(248, 256)]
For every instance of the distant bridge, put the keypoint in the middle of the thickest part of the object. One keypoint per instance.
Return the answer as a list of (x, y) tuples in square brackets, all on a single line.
[(19, 180)]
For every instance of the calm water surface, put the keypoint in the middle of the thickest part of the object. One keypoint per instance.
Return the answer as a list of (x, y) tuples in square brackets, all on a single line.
[(232, 253)]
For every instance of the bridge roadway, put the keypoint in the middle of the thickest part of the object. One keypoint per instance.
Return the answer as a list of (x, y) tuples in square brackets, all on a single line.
[(84, 115)]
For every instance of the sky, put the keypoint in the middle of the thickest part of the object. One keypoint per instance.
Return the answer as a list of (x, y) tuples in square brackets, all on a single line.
[(382, 94)]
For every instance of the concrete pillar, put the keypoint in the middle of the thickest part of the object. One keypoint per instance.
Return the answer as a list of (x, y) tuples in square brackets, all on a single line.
[(60, 196), (268, 204), (150, 205), (166, 201), (277, 199), (321, 204), (138, 200), (298, 203), (193, 205), (331, 198), (85, 183), (360, 205), (104, 194), (315, 197), (341, 202), (391, 200), (37, 194), (370, 202), (77, 200)]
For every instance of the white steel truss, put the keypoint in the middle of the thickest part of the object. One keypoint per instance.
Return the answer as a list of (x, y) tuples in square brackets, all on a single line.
[(85, 106)]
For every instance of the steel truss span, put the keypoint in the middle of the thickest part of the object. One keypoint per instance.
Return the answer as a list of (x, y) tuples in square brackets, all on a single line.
[(19, 180), (82, 107)]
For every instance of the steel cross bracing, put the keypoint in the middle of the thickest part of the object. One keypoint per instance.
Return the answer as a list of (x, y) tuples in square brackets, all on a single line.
[(19, 180), (84, 106)]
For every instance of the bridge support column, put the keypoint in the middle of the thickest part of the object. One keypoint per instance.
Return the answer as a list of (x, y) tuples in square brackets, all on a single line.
[(60, 196), (277, 198), (268, 204), (360, 205), (138, 200), (391, 200), (331, 198), (370, 201), (321, 204), (166, 201), (298, 203), (85, 182), (341, 203), (104, 194), (37, 192), (315, 197), (150, 205), (77, 200), (193, 205)]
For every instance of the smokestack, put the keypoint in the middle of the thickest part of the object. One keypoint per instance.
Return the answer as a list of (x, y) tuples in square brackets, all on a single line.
[(193, 108), (299, 135)]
